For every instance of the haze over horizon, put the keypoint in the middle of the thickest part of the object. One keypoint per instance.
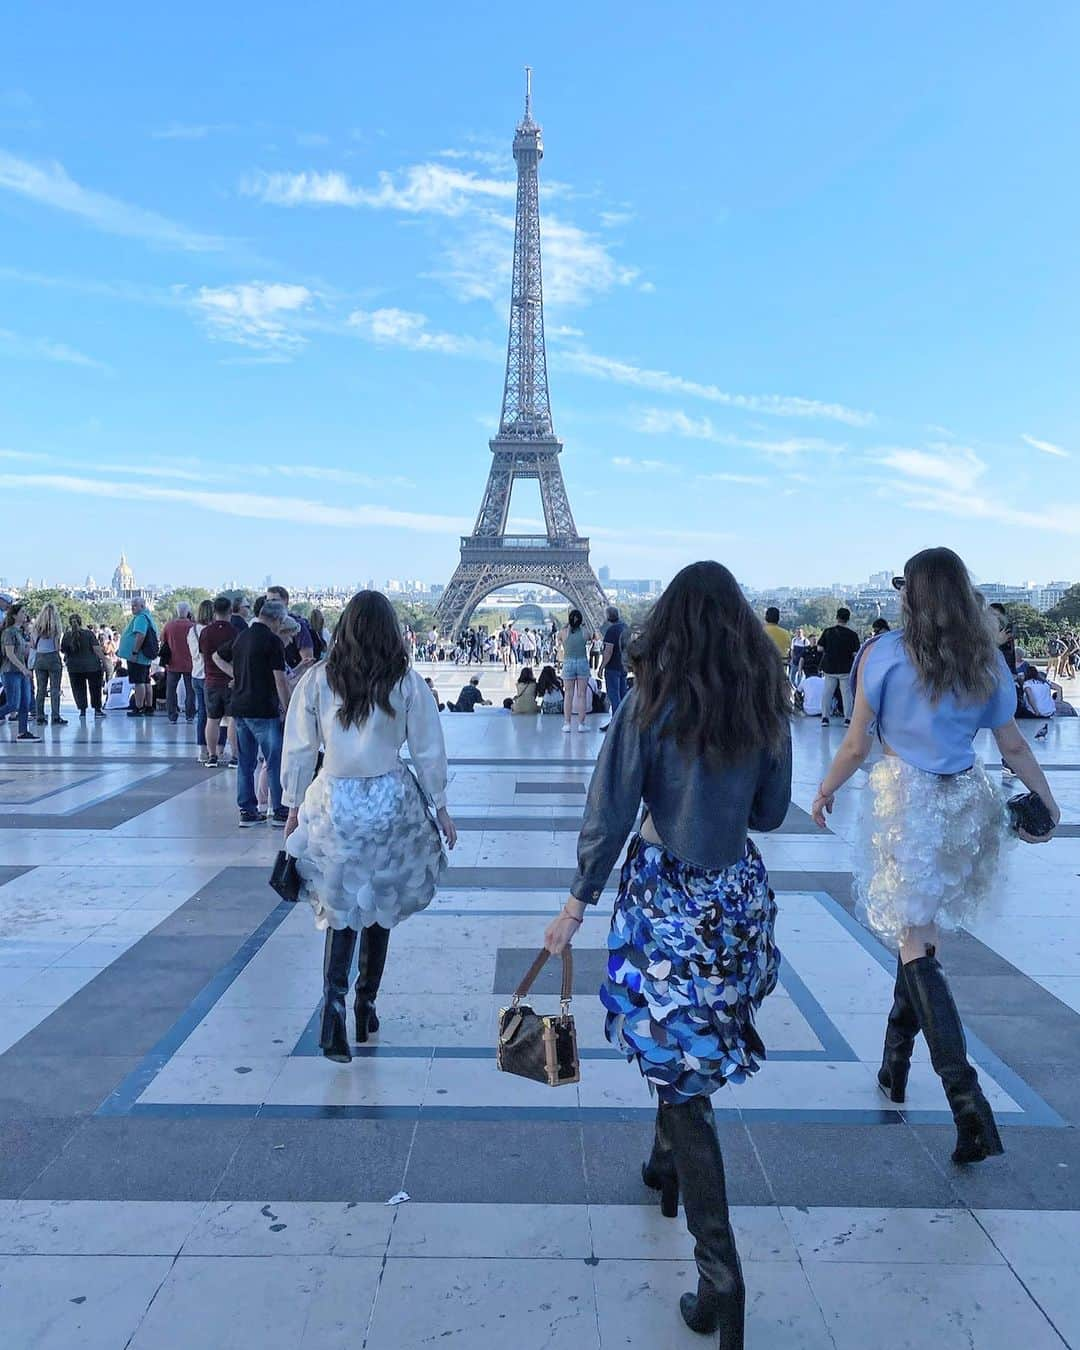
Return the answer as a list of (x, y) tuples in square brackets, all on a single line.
[(810, 288)]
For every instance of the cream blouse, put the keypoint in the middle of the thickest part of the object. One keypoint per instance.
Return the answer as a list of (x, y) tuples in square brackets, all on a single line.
[(364, 751)]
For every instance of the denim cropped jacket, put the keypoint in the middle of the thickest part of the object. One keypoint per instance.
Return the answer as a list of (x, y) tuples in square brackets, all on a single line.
[(702, 814)]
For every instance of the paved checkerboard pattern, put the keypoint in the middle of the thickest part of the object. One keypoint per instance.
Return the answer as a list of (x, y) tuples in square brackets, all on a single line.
[(179, 1166)]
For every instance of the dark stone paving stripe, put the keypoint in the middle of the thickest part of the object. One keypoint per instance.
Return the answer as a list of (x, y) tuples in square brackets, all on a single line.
[(10, 873), (127, 803)]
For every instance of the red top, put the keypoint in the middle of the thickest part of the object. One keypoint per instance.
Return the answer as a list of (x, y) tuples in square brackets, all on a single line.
[(213, 636), (175, 634)]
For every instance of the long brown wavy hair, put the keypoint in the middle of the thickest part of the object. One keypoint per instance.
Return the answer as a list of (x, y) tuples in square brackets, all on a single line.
[(704, 655), (367, 657), (948, 632)]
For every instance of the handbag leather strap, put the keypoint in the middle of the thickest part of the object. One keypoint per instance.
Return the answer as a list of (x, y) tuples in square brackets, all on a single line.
[(538, 965)]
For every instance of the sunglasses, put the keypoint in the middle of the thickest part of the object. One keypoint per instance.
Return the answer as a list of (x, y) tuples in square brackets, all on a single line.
[(898, 583)]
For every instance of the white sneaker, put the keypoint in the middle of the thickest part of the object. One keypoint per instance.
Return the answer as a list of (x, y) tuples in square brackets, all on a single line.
[(583, 730), (567, 728)]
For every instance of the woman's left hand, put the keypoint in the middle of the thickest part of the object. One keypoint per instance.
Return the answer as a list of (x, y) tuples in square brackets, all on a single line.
[(292, 822), (821, 806), (449, 829), (563, 928)]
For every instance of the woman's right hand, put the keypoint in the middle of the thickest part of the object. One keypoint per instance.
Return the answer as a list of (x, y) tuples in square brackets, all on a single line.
[(447, 826), (1055, 813)]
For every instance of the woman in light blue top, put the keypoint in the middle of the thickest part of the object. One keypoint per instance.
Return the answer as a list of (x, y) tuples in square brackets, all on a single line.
[(575, 671), (934, 825)]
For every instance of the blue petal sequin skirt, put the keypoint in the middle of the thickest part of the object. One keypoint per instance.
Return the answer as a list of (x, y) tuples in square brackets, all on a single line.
[(691, 956)]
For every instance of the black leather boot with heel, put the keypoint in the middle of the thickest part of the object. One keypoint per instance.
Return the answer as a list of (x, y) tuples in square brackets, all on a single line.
[(369, 970), (659, 1172), (976, 1130), (900, 1033), (720, 1302), (333, 1030)]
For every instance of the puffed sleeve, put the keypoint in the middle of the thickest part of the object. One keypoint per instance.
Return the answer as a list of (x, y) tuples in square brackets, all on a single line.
[(303, 739), (773, 795), (612, 805), (424, 733), (1001, 707)]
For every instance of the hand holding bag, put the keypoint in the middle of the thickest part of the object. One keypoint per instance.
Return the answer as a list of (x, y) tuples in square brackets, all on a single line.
[(1028, 812), (285, 878), (541, 1048)]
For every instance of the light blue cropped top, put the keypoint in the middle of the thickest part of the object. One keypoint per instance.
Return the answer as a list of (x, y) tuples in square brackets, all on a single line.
[(936, 737)]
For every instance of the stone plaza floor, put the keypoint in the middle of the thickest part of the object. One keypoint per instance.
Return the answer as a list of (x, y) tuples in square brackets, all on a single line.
[(181, 1170)]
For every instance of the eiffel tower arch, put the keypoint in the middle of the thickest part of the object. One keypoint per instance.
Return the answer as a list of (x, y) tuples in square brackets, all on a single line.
[(526, 446)]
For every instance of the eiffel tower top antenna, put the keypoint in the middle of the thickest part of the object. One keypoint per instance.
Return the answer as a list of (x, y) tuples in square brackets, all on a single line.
[(528, 93)]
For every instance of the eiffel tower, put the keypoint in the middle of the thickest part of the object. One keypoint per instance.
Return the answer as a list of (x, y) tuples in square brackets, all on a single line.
[(526, 445)]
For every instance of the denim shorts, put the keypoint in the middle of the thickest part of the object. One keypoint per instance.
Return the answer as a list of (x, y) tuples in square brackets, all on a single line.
[(576, 668)]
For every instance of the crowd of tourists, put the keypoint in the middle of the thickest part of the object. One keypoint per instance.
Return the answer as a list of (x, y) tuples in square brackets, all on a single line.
[(698, 755)]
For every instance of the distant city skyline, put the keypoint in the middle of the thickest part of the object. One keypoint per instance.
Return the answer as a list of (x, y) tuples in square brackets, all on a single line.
[(261, 321)]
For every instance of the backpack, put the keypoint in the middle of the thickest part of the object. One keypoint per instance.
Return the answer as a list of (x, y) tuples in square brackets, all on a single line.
[(151, 647)]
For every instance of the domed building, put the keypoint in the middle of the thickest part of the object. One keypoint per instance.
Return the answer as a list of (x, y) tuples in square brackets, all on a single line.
[(123, 582)]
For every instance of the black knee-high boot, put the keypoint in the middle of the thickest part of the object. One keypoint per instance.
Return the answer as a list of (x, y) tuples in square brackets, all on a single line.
[(374, 941), (900, 1033), (720, 1302), (659, 1172), (976, 1130), (333, 1032)]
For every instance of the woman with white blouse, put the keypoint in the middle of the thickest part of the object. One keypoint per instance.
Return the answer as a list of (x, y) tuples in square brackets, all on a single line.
[(365, 831)]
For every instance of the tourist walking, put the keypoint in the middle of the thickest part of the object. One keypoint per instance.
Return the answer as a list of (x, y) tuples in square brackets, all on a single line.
[(613, 660), (254, 661), (575, 670), (365, 832), (203, 615), (933, 825), (15, 669), (216, 681), (85, 665), (47, 664), (704, 742), (137, 649), (179, 667), (838, 646)]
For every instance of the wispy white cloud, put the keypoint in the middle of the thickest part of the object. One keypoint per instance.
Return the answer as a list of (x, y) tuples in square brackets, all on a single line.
[(491, 159), (44, 349), (1047, 447), (745, 479), (421, 188), (675, 422), (956, 468), (254, 313), (49, 184), (628, 465), (314, 139), (283, 507), (190, 131), (404, 328), (661, 381)]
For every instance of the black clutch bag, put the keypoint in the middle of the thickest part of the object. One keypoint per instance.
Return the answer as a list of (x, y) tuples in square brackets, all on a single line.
[(541, 1048), (1028, 812), (285, 879)]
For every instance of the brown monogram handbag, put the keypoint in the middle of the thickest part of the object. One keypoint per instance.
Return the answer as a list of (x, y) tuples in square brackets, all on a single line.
[(541, 1048)]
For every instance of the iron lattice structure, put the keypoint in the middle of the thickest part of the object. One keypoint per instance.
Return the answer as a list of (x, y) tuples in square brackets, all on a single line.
[(526, 445)]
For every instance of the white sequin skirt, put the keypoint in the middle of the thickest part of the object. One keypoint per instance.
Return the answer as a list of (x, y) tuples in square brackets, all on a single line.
[(929, 847), (367, 850)]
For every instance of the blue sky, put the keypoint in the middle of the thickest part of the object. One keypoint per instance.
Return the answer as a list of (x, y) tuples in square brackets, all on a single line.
[(812, 285)]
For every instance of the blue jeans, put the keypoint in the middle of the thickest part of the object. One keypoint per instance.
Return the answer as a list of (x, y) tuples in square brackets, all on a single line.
[(615, 680), (252, 735), (17, 693), (200, 712)]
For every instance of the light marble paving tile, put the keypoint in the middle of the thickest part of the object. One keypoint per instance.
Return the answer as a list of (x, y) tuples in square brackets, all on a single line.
[(533, 1304), (219, 1304), (925, 1092), (865, 1033), (477, 1082), (96, 1227), (919, 1236), (17, 1022), (95, 953), (89, 1302), (477, 1231), (911, 1307), (1030, 1238), (638, 1306), (1063, 987), (307, 1228), (1056, 1290), (809, 1086), (213, 1079), (33, 953), (615, 1083), (12, 979), (641, 1233), (435, 970), (782, 1027), (238, 1032), (341, 1311), (289, 988), (371, 1081)]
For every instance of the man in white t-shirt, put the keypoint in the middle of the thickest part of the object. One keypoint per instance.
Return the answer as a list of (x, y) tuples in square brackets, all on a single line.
[(812, 688), (1037, 691)]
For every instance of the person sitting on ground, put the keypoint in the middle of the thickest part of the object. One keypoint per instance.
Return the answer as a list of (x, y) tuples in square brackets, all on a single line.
[(1038, 695), (812, 690), (435, 694), (549, 690), (525, 700), (469, 697)]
